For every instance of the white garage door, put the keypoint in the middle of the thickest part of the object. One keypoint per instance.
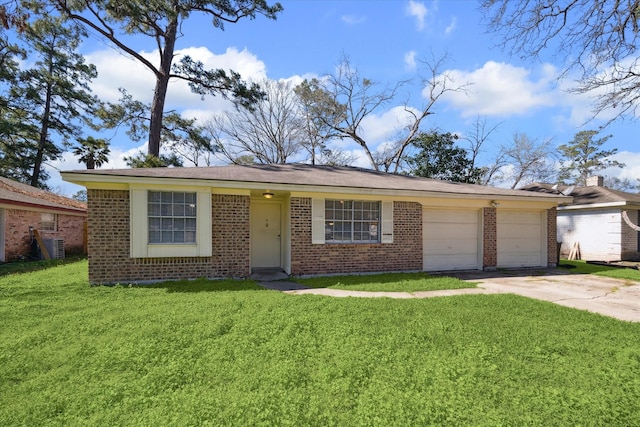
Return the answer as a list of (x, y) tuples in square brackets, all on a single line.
[(520, 238), (450, 239)]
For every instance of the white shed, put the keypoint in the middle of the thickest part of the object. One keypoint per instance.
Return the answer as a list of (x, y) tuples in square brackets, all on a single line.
[(595, 221)]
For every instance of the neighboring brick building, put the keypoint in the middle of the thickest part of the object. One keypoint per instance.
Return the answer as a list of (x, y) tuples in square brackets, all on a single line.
[(595, 221), (227, 221), (24, 208)]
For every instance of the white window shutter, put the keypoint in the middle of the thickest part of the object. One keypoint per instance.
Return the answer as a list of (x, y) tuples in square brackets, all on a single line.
[(317, 221), (387, 222)]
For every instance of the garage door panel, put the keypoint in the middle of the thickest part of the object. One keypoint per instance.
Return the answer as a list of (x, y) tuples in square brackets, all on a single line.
[(450, 239), (520, 239)]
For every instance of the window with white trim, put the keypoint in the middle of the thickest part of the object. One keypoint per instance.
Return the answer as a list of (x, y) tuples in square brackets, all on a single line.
[(172, 217), (352, 221), (48, 221)]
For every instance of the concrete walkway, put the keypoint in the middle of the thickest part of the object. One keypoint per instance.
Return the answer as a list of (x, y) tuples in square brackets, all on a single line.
[(611, 297)]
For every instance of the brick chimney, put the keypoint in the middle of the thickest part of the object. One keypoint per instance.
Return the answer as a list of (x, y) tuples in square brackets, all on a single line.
[(595, 181)]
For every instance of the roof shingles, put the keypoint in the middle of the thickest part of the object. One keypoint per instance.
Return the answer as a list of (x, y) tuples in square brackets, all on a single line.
[(304, 175), (13, 192)]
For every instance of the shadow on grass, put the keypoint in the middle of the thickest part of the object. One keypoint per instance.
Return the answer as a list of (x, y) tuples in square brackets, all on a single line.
[(204, 285), (29, 266), (359, 279)]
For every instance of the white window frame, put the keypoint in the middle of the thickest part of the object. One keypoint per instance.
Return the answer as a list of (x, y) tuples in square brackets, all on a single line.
[(139, 226), (346, 213), (50, 223), (318, 222), (180, 212)]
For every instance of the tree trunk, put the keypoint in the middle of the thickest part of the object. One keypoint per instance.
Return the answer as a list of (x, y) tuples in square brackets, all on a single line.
[(42, 143), (160, 92)]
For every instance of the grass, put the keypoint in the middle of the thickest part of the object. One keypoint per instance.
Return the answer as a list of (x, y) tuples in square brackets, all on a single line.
[(230, 353), (387, 282), (581, 267)]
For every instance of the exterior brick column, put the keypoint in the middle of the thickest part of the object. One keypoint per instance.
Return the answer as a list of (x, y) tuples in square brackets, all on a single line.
[(489, 239)]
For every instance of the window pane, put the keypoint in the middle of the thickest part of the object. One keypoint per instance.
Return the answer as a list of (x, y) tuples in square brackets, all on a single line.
[(190, 198), (154, 209), (170, 215), (154, 196), (190, 210), (154, 236), (178, 210), (154, 224)]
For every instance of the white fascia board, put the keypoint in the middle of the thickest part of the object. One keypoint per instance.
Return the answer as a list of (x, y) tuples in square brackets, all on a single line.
[(597, 206)]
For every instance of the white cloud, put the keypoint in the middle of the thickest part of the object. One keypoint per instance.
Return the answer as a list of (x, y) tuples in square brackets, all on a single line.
[(631, 171), (70, 162), (419, 11), (500, 89), (352, 19), (379, 128), (116, 70), (410, 61), (452, 26)]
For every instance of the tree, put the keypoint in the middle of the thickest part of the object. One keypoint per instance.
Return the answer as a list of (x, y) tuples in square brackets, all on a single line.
[(596, 38), (163, 21), (316, 132), (582, 157), (342, 101), (92, 152), (477, 138), (439, 158), (625, 184), (529, 160), (187, 139), (142, 160), (12, 15), (270, 131), (54, 92)]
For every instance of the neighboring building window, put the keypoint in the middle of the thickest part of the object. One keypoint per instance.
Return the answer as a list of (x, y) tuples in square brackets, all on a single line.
[(48, 222), (172, 217), (352, 221)]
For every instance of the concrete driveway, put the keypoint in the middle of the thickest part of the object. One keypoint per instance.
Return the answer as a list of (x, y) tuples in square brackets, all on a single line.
[(610, 297)]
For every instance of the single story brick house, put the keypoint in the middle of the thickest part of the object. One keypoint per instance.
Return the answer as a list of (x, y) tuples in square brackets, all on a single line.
[(24, 208), (226, 221), (595, 221)]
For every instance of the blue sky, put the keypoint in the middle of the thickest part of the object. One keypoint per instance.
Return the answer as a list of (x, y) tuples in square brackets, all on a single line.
[(385, 40)]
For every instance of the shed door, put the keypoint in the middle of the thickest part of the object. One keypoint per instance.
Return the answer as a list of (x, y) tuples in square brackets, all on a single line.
[(450, 240), (521, 235)]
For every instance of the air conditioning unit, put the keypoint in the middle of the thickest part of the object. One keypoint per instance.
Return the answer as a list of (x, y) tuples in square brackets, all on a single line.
[(55, 247)]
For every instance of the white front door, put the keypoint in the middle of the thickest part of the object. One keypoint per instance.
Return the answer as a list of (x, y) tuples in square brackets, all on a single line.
[(265, 234)]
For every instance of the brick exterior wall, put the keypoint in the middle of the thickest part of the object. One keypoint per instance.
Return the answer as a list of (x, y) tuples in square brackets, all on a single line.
[(629, 244), (231, 236), (405, 253), (18, 238), (552, 237), (489, 238), (109, 246)]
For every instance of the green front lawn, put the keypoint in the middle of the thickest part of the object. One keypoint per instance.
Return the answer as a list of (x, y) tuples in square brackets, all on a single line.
[(581, 267), (387, 282), (233, 354)]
